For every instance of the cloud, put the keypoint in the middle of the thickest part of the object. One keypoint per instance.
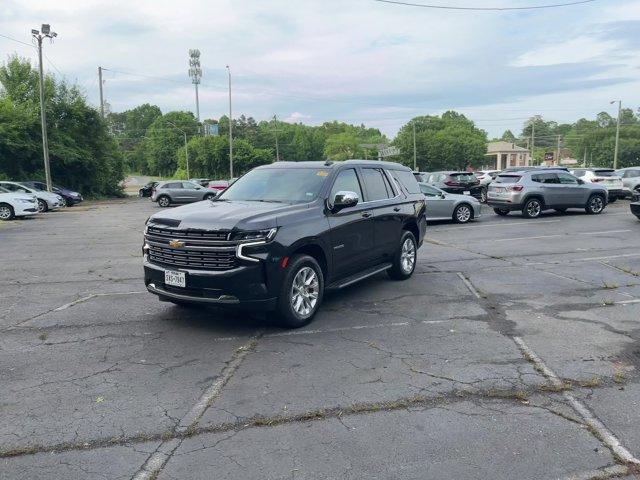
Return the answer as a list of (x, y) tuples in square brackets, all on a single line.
[(296, 117), (576, 50)]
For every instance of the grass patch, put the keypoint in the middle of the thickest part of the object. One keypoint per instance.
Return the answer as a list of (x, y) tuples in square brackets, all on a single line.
[(592, 382)]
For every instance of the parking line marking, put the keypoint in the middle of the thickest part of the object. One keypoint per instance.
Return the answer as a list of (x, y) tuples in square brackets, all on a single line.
[(604, 232), (588, 259), (607, 437), (491, 224), (89, 297), (469, 285), (158, 459), (606, 472), (627, 302)]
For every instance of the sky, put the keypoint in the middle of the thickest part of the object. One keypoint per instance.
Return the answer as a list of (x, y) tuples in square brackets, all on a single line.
[(357, 61)]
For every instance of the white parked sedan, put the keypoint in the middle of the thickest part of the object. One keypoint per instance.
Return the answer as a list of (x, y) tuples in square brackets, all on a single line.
[(46, 200), (16, 204)]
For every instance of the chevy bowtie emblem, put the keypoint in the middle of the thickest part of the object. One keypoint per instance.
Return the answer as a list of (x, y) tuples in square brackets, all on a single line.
[(176, 244)]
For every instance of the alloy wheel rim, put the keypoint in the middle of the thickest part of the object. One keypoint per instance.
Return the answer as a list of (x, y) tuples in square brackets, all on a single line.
[(163, 202), (408, 256), (533, 209), (40, 206), (463, 215), (5, 213), (596, 204), (304, 292), (483, 196)]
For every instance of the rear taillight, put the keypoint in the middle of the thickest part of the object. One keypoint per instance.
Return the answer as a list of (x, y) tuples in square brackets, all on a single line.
[(451, 183), (516, 188)]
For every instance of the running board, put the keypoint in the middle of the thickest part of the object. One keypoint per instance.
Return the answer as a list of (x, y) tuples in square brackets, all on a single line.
[(345, 282)]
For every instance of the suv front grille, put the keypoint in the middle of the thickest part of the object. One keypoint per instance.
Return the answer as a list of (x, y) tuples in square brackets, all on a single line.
[(199, 249)]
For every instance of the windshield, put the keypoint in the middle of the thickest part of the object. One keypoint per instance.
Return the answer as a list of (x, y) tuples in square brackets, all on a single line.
[(283, 185)]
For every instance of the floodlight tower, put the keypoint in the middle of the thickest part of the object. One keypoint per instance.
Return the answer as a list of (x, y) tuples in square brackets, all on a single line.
[(38, 36), (195, 72)]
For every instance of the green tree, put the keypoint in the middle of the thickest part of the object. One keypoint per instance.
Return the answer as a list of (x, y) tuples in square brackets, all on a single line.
[(164, 138)]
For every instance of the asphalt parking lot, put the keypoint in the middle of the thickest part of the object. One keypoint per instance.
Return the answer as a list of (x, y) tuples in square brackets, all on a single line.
[(512, 353)]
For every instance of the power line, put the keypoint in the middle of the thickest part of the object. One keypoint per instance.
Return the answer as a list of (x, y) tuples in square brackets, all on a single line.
[(16, 40), (484, 9)]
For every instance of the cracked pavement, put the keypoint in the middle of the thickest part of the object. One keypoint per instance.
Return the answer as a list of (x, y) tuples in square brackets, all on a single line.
[(420, 379)]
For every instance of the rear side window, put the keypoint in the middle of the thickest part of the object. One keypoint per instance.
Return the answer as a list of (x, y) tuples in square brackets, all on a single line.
[(172, 185), (508, 178), (464, 177), (347, 181), (605, 173), (545, 178), (406, 180), (375, 184)]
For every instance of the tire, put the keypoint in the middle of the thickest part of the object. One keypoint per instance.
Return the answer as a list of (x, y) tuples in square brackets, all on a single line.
[(164, 201), (595, 205), (561, 210), (140, 193), (300, 294), (501, 211), (6, 212), (42, 206), (209, 196), (463, 213), (405, 259), (532, 208), (483, 195)]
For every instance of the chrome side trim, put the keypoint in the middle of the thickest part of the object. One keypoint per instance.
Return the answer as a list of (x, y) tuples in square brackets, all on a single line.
[(228, 299)]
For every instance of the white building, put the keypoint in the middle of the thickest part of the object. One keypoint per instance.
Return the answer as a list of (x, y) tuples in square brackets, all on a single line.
[(501, 155)]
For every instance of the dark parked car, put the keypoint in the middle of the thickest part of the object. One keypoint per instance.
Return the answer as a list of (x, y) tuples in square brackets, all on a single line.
[(284, 233), (635, 205), (71, 198), (460, 183), (147, 190)]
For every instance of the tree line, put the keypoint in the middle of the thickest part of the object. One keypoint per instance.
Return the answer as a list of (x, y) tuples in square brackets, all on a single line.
[(92, 154)]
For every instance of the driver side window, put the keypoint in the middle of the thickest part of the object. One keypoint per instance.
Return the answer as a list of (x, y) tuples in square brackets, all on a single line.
[(347, 180), (567, 179), (429, 191)]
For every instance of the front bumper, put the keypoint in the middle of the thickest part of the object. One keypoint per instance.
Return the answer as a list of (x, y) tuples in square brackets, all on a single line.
[(26, 209), (635, 209), (243, 286)]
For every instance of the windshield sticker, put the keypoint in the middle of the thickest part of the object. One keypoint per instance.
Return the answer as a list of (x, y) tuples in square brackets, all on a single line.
[(322, 173)]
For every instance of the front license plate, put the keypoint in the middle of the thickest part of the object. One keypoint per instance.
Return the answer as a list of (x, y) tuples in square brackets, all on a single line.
[(467, 192), (175, 279)]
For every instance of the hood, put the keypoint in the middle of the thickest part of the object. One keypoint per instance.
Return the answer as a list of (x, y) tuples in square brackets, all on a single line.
[(225, 215)]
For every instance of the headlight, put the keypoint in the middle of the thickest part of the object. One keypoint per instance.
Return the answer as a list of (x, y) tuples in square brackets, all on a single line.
[(255, 235)]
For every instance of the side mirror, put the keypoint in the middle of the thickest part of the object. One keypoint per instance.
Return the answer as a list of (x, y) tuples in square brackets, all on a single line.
[(442, 195), (344, 199), (580, 181)]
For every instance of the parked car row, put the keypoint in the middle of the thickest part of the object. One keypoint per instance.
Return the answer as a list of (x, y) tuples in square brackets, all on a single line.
[(19, 199), (172, 192)]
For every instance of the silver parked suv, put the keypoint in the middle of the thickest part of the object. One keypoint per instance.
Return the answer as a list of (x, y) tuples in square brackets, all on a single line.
[(533, 191), (166, 193)]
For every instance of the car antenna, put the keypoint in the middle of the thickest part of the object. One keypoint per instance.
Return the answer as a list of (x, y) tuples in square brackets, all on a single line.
[(328, 163)]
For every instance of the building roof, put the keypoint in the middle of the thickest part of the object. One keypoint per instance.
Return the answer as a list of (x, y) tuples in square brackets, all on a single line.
[(504, 147)]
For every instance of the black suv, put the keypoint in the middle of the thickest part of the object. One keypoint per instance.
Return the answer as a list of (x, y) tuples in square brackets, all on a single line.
[(284, 233)]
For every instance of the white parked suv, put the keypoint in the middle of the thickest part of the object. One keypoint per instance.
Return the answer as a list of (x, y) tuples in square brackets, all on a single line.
[(606, 177), (630, 179), (46, 200), (16, 204)]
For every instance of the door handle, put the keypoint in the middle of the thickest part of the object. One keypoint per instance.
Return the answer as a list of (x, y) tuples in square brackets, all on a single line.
[(396, 209), (366, 214)]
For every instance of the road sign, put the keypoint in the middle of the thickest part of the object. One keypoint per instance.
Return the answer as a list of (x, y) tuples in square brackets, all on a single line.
[(211, 129), (388, 152)]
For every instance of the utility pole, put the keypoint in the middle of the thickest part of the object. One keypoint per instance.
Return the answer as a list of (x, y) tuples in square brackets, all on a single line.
[(186, 149), (533, 137), (584, 157), (275, 121), (558, 152), (38, 36), (615, 152), (195, 72), (415, 157), (101, 94), (230, 129)]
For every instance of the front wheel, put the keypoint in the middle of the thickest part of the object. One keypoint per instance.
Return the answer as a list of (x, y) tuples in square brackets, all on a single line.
[(42, 206), (462, 213), (301, 292), (164, 201), (404, 262), (532, 208), (209, 196), (6, 212), (483, 195), (595, 204)]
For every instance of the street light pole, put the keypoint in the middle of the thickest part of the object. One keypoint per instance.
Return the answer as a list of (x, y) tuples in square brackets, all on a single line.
[(230, 129), (615, 152), (275, 121), (38, 36), (186, 149), (415, 162)]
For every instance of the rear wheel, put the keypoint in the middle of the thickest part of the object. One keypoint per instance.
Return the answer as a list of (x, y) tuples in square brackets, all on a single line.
[(501, 211), (404, 261), (164, 201), (6, 212), (483, 195), (42, 206), (595, 204), (141, 193), (532, 208), (462, 213), (301, 292)]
